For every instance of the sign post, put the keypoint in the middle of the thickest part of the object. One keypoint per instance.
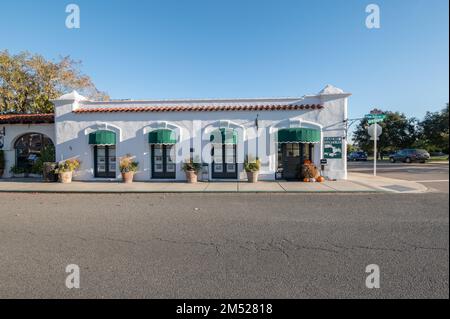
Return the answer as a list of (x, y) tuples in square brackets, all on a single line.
[(375, 140), (375, 131)]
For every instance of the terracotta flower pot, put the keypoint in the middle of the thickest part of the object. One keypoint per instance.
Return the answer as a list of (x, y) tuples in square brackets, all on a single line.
[(65, 177), (253, 177), (191, 177), (128, 177)]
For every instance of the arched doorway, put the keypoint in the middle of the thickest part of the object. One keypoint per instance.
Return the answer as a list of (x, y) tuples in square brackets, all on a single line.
[(105, 160), (28, 148), (162, 148)]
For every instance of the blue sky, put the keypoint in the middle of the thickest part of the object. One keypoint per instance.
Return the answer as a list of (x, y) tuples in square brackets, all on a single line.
[(247, 48)]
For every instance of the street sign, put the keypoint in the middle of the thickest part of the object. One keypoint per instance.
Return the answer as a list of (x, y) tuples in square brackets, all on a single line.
[(323, 161), (376, 116), (373, 121), (375, 129)]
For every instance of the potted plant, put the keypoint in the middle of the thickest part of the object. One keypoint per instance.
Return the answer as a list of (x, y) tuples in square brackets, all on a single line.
[(2, 163), (45, 165), (19, 172), (128, 167), (65, 170), (191, 168), (48, 172), (252, 169)]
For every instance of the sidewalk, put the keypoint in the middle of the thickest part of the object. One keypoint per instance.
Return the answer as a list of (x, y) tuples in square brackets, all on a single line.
[(357, 183), (386, 184)]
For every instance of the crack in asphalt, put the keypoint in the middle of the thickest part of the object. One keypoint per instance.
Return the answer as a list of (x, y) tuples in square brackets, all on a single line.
[(306, 247), (353, 247), (210, 244), (283, 246), (416, 247)]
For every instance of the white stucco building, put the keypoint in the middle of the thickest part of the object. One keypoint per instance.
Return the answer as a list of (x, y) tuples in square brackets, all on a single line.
[(282, 132)]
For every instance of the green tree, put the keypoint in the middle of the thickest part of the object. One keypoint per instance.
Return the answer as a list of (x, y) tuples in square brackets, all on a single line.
[(398, 132), (435, 130), (351, 148), (28, 82)]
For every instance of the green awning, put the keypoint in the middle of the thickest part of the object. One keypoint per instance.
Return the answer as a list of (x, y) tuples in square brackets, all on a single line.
[(102, 138), (224, 136), (299, 135), (162, 136)]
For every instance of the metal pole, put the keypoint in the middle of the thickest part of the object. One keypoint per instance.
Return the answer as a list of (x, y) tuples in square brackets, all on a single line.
[(375, 150), (256, 138)]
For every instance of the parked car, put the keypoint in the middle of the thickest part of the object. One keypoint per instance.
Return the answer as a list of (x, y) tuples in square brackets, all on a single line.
[(357, 156), (410, 155)]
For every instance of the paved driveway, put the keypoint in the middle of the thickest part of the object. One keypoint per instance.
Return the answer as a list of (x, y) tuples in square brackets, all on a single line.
[(224, 245)]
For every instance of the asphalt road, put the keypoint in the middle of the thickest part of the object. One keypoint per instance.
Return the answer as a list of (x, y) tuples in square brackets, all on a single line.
[(433, 175), (224, 246)]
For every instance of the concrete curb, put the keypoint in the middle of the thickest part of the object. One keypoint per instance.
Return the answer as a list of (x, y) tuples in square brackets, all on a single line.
[(190, 192), (359, 184)]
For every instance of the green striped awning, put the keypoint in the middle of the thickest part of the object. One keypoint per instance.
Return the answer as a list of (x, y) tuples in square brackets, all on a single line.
[(162, 136), (102, 138), (299, 135), (224, 136)]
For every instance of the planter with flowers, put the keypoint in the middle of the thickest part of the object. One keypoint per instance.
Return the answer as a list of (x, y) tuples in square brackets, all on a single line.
[(65, 170), (128, 167), (191, 168), (252, 169)]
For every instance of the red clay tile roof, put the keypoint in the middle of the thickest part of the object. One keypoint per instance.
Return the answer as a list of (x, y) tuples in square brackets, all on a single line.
[(26, 118), (200, 108)]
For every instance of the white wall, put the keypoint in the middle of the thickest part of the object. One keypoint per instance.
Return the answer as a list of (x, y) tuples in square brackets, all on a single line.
[(72, 132), (15, 131)]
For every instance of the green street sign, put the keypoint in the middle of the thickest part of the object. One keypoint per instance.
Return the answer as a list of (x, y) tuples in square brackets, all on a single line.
[(374, 121), (376, 116)]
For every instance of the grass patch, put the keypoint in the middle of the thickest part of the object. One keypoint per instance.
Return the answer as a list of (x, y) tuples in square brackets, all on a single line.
[(439, 158)]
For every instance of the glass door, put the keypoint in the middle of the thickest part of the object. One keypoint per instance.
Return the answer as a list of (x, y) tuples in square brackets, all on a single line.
[(224, 164), (163, 161), (105, 161), (291, 153)]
